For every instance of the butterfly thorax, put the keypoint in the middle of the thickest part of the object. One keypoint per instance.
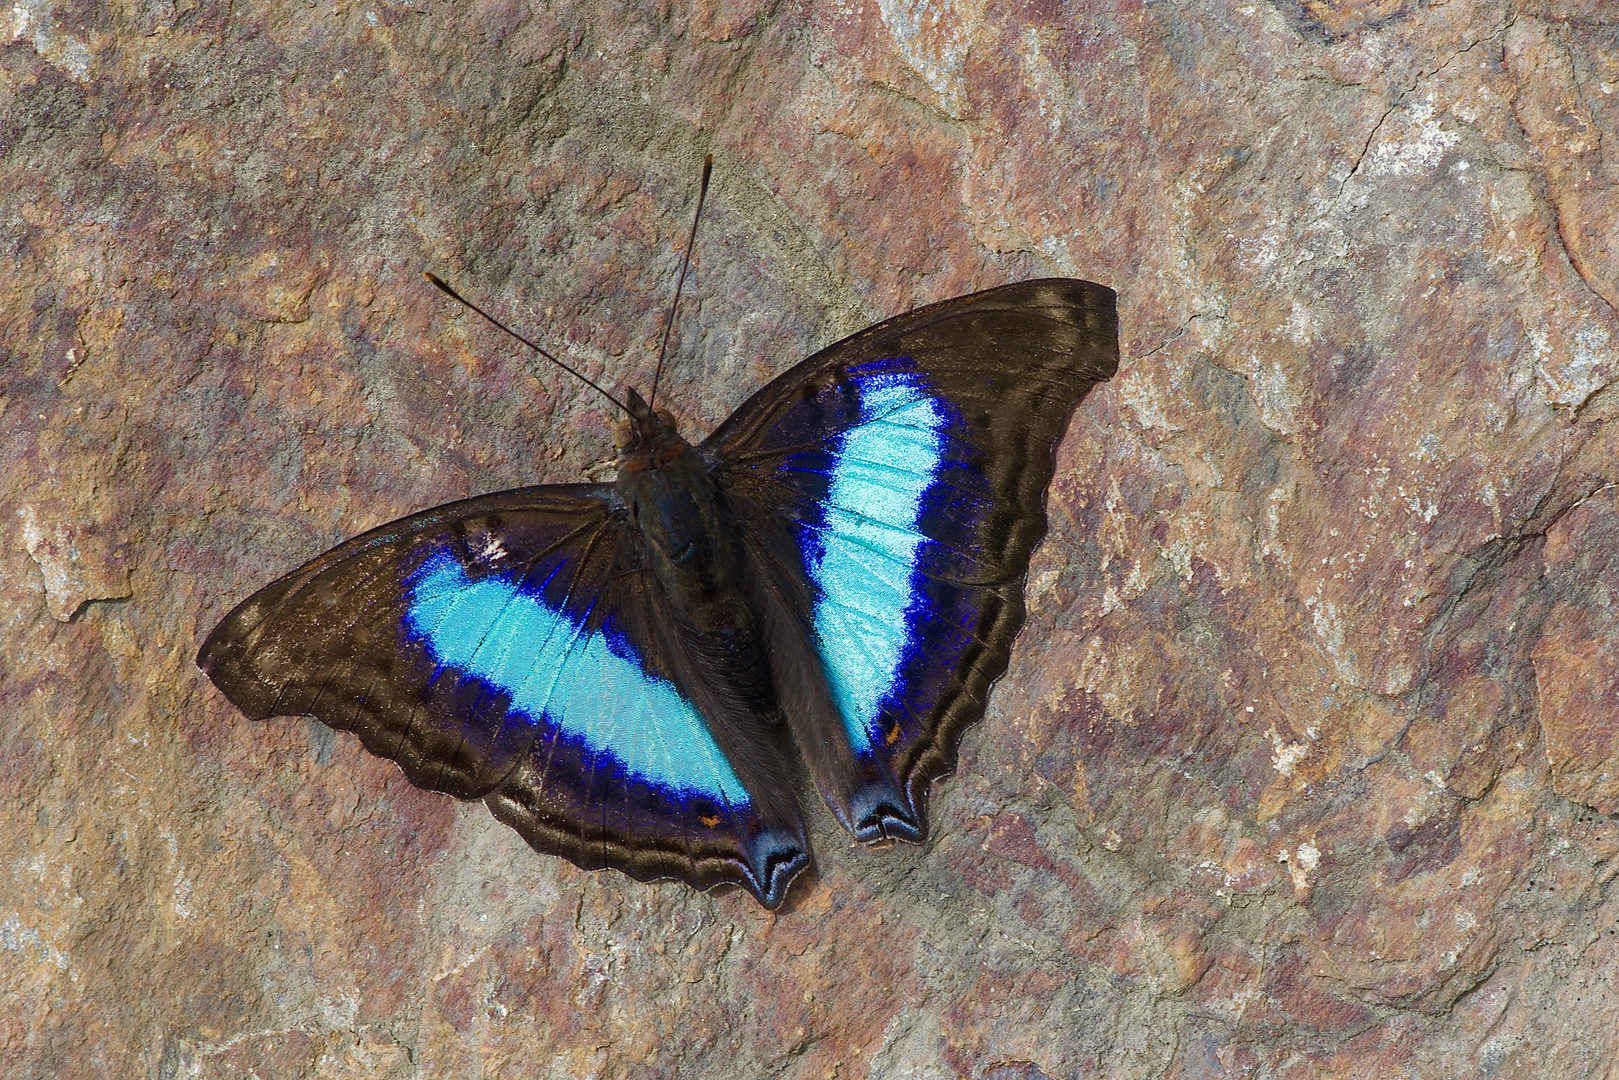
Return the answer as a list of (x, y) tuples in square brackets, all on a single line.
[(670, 494)]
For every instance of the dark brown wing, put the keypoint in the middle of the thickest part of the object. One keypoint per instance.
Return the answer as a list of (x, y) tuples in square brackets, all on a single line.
[(890, 490), (508, 648)]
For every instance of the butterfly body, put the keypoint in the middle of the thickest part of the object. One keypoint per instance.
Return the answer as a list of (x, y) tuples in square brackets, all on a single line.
[(610, 667), (669, 495)]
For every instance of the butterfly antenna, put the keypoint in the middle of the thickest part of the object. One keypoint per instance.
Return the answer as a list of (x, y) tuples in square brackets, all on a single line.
[(680, 282), (581, 376)]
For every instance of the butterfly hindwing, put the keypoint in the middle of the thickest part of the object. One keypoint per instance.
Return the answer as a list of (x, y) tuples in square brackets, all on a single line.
[(510, 648), (911, 463)]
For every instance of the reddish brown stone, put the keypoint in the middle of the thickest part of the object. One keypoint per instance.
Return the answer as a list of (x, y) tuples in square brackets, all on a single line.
[(1577, 654), (1304, 760)]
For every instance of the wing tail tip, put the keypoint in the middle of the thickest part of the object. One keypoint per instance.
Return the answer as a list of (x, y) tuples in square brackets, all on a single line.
[(775, 860), (882, 814)]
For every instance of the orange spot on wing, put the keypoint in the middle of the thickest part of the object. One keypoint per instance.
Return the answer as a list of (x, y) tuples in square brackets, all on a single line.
[(709, 820)]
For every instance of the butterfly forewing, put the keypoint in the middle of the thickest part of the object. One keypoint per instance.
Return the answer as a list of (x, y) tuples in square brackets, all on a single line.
[(912, 461), (505, 648)]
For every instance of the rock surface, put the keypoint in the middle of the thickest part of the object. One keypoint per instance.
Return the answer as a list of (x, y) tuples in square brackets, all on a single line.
[(1306, 761)]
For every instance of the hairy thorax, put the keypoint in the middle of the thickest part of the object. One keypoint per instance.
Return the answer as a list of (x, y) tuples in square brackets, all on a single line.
[(671, 495)]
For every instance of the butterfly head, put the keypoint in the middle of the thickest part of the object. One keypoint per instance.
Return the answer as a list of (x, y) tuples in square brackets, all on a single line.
[(648, 439)]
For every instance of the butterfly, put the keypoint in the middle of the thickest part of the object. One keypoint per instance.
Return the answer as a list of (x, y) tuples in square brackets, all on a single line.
[(614, 668)]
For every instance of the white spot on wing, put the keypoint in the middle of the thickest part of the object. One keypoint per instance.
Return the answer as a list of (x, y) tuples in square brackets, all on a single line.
[(491, 550)]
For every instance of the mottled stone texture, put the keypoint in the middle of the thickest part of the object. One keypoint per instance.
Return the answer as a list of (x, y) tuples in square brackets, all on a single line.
[(1306, 759)]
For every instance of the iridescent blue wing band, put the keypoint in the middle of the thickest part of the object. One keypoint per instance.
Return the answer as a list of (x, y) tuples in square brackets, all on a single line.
[(585, 686), (864, 553)]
